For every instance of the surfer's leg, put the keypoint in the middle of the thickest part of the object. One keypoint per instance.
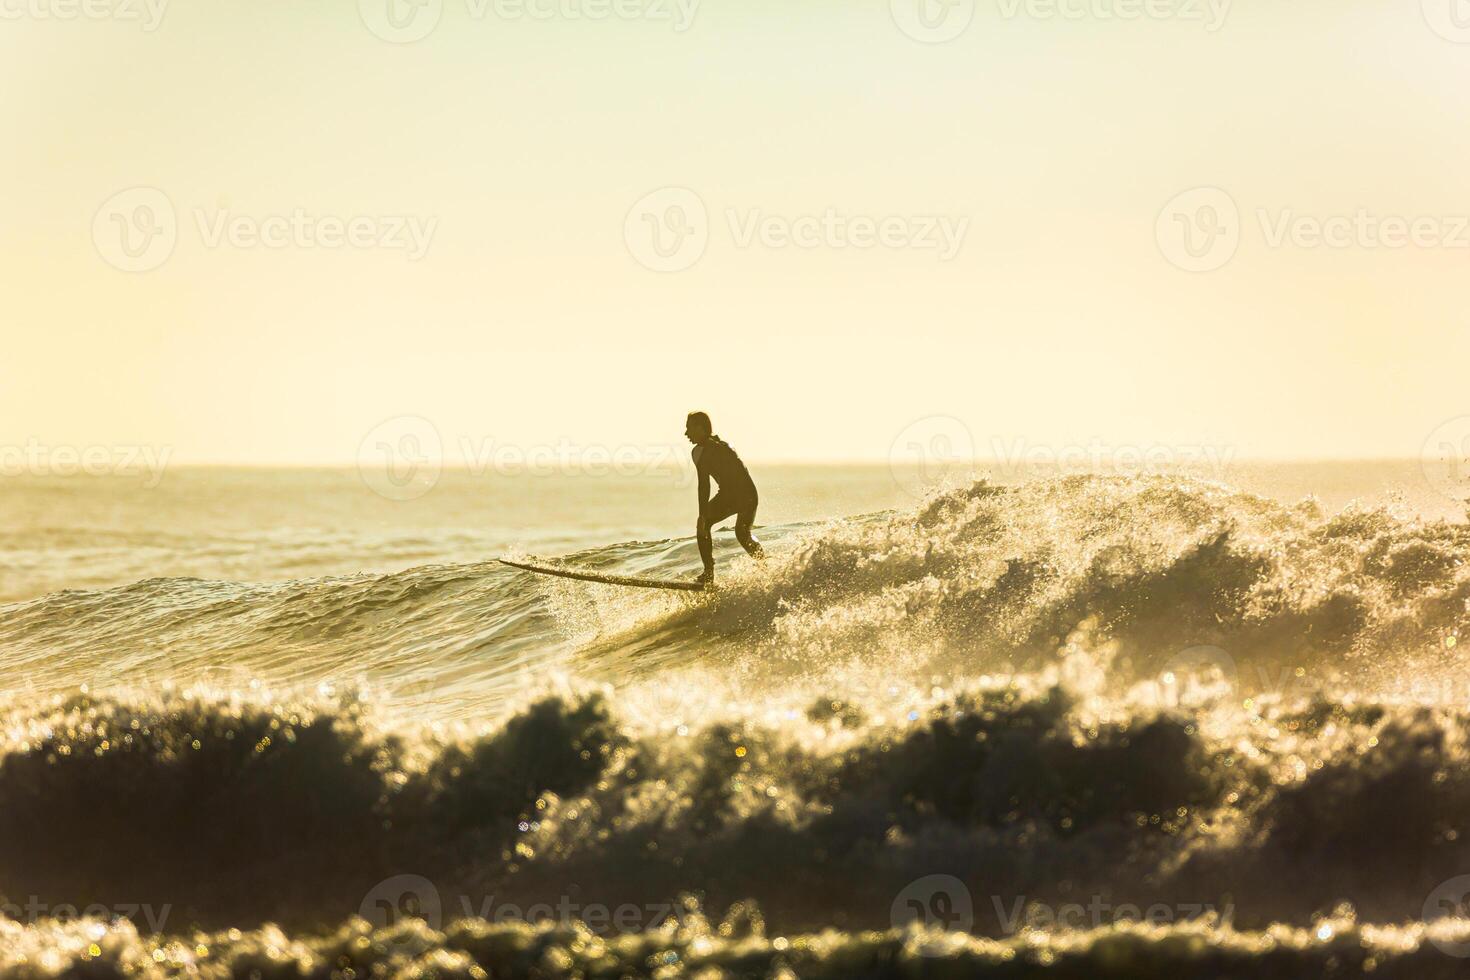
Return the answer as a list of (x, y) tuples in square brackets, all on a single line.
[(715, 511), (744, 521), (706, 546)]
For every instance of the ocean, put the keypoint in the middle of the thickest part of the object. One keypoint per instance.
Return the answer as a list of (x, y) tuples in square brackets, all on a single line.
[(1011, 722)]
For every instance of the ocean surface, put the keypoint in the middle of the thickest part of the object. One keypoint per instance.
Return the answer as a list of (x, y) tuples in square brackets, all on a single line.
[(273, 723)]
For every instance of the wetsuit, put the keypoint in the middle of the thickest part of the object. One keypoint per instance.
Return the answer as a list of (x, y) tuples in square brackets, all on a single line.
[(714, 458)]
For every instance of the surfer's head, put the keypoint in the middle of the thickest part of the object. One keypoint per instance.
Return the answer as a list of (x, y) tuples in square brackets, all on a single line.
[(697, 427)]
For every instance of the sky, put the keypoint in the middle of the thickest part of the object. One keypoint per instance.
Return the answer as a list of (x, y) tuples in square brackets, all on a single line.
[(259, 233)]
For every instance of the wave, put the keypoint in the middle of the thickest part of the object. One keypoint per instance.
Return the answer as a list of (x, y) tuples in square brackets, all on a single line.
[(983, 807), (993, 580), (981, 580), (691, 946), (1124, 727)]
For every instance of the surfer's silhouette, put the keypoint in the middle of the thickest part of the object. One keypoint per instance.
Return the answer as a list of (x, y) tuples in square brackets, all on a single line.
[(713, 458)]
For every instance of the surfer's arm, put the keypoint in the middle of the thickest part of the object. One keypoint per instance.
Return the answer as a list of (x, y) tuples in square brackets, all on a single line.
[(701, 527), (703, 482)]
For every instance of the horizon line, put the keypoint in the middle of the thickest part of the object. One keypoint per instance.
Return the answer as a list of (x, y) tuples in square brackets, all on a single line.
[(447, 466)]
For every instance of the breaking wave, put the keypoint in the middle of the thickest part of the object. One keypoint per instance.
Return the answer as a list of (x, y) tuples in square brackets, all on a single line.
[(977, 581), (1144, 726)]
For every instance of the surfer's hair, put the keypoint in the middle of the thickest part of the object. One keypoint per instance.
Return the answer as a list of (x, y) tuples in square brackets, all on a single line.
[(699, 422)]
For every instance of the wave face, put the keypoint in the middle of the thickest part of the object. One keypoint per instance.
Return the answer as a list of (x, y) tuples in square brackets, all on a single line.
[(692, 946), (994, 810), (1112, 723), (983, 580)]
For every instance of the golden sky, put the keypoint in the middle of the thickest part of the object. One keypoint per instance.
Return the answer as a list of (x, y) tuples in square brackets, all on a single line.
[(551, 220)]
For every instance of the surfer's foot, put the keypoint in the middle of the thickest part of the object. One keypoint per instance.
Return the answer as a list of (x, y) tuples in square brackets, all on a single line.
[(707, 578)]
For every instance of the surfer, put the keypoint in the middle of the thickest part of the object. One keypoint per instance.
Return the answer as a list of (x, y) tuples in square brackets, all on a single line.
[(713, 457)]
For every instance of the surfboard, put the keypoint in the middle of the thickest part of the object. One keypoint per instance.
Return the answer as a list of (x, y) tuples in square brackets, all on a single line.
[(628, 580)]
